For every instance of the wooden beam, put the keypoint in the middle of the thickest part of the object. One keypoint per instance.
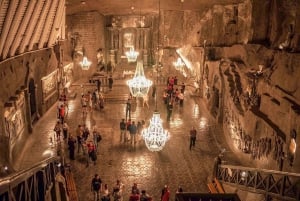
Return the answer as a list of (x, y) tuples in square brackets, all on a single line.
[(48, 25), (58, 22), (40, 25), (19, 14), (22, 27), (4, 4), (7, 23), (33, 21)]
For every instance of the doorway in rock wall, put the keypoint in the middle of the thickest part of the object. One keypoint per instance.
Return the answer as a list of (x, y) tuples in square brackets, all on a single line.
[(32, 96)]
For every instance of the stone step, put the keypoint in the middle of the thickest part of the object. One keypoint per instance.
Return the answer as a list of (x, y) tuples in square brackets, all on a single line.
[(116, 98)]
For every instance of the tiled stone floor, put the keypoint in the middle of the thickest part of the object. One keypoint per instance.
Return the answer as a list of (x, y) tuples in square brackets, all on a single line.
[(175, 165)]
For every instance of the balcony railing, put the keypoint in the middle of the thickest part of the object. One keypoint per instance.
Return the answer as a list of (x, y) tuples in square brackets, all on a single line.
[(31, 184), (275, 184)]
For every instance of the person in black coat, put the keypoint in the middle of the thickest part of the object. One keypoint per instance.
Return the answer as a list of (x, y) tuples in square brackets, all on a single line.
[(110, 82), (71, 144)]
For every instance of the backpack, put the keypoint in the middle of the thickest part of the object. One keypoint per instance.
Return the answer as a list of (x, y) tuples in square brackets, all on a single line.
[(99, 137)]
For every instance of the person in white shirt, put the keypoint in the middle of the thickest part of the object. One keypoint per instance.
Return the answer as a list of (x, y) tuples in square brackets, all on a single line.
[(145, 100)]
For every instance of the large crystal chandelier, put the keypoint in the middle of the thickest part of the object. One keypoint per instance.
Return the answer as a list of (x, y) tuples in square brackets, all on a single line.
[(131, 55), (155, 136), (85, 63), (139, 85)]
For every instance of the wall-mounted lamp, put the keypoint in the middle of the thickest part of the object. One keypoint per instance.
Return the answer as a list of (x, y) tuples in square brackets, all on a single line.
[(244, 175)]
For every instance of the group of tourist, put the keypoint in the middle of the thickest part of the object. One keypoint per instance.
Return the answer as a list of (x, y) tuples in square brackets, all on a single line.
[(86, 144), (61, 125), (172, 95), (98, 99), (62, 108), (130, 131), (101, 192)]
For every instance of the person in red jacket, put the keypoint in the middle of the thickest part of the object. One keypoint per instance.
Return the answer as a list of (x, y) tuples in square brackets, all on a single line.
[(165, 194), (91, 152)]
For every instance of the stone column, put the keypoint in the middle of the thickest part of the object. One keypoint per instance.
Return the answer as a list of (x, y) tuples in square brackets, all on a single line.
[(112, 57), (27, 109), (145, 57), (36, 102), (146, 38), (121, 43), (145, 45), (137, 39), (112, 44)]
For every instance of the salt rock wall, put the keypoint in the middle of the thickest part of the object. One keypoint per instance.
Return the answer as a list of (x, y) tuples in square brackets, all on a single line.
[(15, 76), (85, 33), (260, 94), (220, 25), (284, 29), (286, 73)]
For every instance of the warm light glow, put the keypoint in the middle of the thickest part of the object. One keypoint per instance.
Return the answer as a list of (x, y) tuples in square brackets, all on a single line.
[(131, 55), (155, 136), (85, 63), (178, 64), (244, 175), (139, 85), (48, 153), (203, 124)]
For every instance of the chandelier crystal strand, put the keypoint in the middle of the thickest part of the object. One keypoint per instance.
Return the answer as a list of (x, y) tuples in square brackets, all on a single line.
[(139, 85), (131, 55), (155, 136), (85, 63)]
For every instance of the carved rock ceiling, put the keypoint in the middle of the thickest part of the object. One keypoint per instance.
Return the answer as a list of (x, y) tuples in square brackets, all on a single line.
[(123, 7)]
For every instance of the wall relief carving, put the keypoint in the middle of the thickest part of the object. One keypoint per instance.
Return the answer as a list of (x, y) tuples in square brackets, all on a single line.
[(49, 85), (14, 117), (128, 39)]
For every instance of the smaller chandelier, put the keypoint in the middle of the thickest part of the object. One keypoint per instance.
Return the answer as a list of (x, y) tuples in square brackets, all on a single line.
[(178, 64), (155, 136), (85, 63), (131, 55), (139, 85)]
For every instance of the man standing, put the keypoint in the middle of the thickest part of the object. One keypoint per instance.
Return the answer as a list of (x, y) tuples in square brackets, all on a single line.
[(145, 100), (193, 134), (110, 82), (153, 90), (71, 147), (123, 130), (169, 110), (118, 191), (96, 187), (128, 109), (98, 84), (133, 131)]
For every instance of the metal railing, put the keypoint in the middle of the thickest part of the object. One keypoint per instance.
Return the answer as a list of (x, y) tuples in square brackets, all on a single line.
[(271, 183), (30, 184)]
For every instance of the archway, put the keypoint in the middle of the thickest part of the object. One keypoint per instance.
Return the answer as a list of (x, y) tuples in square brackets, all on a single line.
[(32, 96)]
